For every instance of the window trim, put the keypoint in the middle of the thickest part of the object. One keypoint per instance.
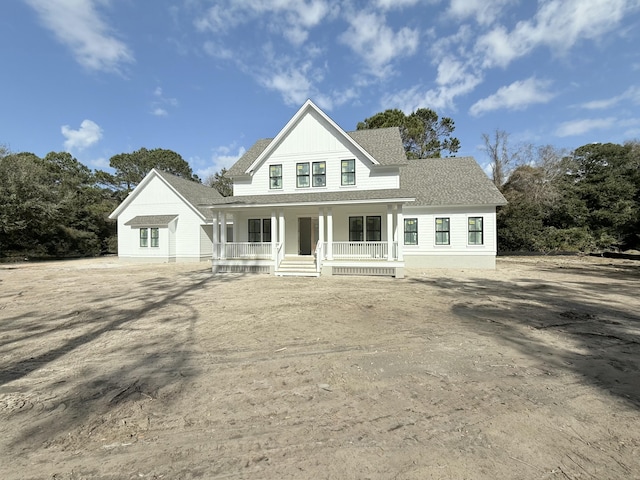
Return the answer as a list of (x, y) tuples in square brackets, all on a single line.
[(447, 231), (369, 232), (410, 232), (343, 172), (273, 177), (300, 176), (475, 231), (259, 235)]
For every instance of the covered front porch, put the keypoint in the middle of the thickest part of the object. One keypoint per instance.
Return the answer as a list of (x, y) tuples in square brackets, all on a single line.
[(362, 239)]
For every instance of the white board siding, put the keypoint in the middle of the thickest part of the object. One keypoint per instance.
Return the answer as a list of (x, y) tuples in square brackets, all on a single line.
[(458, 231), (158, 199), (313, 140)]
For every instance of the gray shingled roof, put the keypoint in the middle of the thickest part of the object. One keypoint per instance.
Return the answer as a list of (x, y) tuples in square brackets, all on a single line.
[(433, 181), (151, 220), (383, 144), (449, 181), (195, 193)]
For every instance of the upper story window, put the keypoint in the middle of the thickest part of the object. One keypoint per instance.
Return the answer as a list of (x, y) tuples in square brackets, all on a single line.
[(442, 231), (302, 175), (275, 177), (348, 169), (319, 174), (476, 236)]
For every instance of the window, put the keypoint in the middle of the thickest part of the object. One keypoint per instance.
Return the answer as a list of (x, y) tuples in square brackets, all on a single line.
[(348, 172), (258, 234), (411, 231), (319, 174), (275, 177), (442, 231), (144, 237), (266, 229), (475, 231), (374, 229), (356, 229), (155, 237), (302, 175), (254, 230)]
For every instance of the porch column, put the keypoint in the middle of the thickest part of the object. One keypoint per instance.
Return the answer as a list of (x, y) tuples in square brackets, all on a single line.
[(389, 232), (216, 237), (321, 230), (281, 228), (329, 234), (274, 233), (223, 234), (400, 232)]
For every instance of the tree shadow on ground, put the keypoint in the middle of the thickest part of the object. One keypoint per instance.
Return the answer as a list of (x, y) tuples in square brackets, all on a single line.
[(114, 355), (597, 324)]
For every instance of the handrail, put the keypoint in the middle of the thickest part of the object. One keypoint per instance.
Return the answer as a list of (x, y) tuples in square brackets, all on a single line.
[(279, 254), (318, 254), (360, 250)]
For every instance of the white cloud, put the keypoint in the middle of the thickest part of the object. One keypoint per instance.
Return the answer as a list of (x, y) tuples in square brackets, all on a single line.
[(88, 134), (483, 11), (632, 94), (159, 112), (516, 96), (391, 4), (292, 83), (223, 157), (78, 25), (558, 24), (579, 127), (376, 43), (161, 102)]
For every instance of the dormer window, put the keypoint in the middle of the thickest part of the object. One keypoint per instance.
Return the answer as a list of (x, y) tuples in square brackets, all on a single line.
[(275, 177), (348, 168)]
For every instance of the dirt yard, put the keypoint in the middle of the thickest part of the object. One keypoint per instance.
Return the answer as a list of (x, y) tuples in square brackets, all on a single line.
[(120, 371)]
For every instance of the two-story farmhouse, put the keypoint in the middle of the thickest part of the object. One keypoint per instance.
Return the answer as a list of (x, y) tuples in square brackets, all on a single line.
[(316, 200)]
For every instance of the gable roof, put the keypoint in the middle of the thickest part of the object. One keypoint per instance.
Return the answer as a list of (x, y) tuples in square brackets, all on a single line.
[(383, 144), (449, 181), (194, 194), (308, 106)]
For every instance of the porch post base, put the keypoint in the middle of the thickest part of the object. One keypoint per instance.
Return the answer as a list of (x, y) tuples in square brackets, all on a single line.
[(399, 272), (327, 270)]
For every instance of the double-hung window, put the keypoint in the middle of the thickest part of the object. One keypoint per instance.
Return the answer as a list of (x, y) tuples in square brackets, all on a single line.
[(155, 237), (302, 175), (374, 229), (442, 231), (319, 174), (144, 237), (476, 236), (259, 230), (411, 231), (356, 229), (348, 169), (275, 177)]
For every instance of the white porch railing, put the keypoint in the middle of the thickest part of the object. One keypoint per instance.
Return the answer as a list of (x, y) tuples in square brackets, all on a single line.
[(361, 250), (246, 250), (279, 254)]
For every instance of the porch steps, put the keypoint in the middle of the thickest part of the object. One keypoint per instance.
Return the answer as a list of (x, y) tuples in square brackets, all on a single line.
[(297, 266)]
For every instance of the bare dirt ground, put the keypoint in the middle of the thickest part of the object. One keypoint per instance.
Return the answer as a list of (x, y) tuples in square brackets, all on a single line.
[(111, 371)]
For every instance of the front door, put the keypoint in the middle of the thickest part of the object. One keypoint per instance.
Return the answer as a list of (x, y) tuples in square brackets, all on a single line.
[(304, 230), (307, 234)]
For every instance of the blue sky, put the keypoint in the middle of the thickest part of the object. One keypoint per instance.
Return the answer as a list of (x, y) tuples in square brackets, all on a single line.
[(206, 78)]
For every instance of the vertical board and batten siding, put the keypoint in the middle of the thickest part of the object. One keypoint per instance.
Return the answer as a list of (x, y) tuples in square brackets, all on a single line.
[(314, 140), (158, 199), (426, 252)]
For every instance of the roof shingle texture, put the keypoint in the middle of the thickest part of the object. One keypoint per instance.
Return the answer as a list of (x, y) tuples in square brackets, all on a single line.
[(195, 193), (151, 220)]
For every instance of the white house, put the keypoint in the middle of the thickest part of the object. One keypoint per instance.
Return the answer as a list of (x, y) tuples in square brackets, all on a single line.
[(318, 200), (163, 220)]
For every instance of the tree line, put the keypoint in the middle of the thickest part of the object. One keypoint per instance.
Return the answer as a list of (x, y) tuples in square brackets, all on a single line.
[(583, 200)]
